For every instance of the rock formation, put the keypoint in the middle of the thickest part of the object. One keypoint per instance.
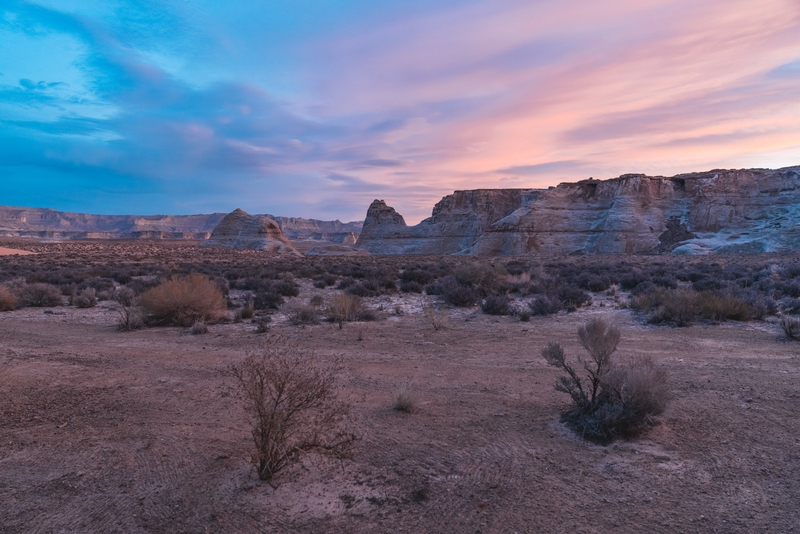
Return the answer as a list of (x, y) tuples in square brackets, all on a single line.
[(240, 230), (52, 224), (746, 211)]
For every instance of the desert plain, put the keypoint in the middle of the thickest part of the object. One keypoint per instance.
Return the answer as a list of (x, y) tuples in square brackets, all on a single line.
[(143, 431)]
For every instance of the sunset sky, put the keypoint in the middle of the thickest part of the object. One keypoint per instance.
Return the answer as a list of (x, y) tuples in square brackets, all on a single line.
[(315, 108)]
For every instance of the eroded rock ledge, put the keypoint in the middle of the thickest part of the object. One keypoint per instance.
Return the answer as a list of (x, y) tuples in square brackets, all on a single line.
[(736, 211)]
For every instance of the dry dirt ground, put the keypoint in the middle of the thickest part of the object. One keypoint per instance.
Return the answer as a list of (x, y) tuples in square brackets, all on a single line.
[(103, 431)]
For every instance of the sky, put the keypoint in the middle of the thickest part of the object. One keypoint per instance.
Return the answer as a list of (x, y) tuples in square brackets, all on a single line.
[(315, 108)]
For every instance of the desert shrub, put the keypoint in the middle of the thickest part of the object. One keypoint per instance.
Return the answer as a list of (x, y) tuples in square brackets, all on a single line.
[(667, 306), (130, 318), (293, 406), (123, 295), (199, 327), (247, 311), (417, 276), (719, 307), (761, 305), (40, 295), (286, 288), (344, 283), (790, 327), (707, 284), (496, 305), (790, 305), (365, 288), (405, 401), (344, 308), (435, 315), (411, 286), (320, 284), (456, 293), (544, 305), (85, 299), (140, 285), (615, 398), (8, 300), (572, 297), (316, 301), (182, 301), (262, 324), (266, 299), (300, 315)]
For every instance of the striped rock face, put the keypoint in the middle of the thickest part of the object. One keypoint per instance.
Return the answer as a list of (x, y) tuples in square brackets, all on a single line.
[(242, 231), (721, 211)]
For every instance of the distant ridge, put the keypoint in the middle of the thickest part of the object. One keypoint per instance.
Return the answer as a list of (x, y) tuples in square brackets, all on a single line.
[(43, 223)]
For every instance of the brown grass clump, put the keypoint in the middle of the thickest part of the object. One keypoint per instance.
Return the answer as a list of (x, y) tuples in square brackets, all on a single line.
[(344, 307), (614, 398), (8, 300), (405, 401), (293, 405), (182, 301)]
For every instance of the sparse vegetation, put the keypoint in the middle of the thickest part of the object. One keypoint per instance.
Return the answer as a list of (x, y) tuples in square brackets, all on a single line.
[(293, 406), (405, 401), (8, 300), (39, 295), (181, 301), (615, 398), (344, 308), (790, 327), (199, 328), (86, 298)]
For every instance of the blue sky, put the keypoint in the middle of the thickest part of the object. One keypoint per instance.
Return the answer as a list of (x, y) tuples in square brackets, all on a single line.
[(314, 109)]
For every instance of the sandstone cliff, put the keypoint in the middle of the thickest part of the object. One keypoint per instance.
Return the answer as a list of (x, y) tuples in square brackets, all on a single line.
[(242, 231), (755, 210)]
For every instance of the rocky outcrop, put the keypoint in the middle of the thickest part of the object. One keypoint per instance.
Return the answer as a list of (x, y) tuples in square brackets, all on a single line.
[(242, 231), (452, 228), (755, 210)]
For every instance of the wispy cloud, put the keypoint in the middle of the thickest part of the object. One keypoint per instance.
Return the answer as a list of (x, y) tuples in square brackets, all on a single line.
[(169, 106)]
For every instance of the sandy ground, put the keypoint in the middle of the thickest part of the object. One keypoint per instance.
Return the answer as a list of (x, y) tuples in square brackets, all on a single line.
[(103, 431), (4, 251)]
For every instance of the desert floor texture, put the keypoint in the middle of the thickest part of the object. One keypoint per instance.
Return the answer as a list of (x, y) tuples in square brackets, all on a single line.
[(105, 431)]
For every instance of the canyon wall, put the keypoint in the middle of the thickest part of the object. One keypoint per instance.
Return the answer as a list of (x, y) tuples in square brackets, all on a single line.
[(740, 211)]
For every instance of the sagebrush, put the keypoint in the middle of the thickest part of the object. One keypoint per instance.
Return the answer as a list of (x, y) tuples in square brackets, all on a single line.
[(610, 397)]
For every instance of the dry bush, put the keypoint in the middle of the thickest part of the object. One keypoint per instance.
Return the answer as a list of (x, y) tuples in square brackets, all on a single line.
[(791, 328), (40, 295), (130, 318), (182, 301), (614, 398), (199, 328), (716, 307), (293, 404), (406, 401), (344, 307), (302, 315), (435, 315), (247, 311), (8, 300), (86, 298)]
